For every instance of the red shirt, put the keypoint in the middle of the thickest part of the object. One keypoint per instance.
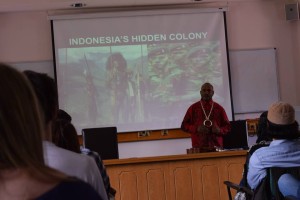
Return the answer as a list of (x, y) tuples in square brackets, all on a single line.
[(195, 117)]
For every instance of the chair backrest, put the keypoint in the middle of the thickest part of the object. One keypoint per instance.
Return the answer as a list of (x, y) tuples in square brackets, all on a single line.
[(103, 140), (268, 189), (238, 136)]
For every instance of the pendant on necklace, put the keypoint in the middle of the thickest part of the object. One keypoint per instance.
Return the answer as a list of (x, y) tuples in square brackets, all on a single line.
[(207, 122)]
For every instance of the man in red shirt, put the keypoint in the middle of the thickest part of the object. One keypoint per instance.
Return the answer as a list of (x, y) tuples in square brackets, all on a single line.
[(206, 121)]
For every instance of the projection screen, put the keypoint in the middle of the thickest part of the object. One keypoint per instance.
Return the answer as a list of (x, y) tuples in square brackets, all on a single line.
[(139, 70)]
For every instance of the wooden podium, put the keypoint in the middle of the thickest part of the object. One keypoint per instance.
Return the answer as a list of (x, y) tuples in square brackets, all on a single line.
[(177, 177)]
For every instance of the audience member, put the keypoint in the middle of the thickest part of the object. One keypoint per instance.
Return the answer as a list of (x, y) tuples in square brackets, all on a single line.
[(64, 115), (23, 172), (65, 136), (109, 190), (262, 130), (71, 163), (283, 151), (263, 140)]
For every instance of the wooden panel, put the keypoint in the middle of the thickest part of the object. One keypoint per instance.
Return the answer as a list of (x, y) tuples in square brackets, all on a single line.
[(156, 184), (128, 185), (234, 171), (234, 174), (183, 183), (210, 182)]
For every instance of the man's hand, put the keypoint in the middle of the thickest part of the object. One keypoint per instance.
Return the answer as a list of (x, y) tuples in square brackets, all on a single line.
[(215, 129), (202, 129)]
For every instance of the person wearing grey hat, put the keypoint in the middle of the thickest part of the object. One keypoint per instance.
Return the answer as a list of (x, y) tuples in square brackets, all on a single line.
[(283, 151)]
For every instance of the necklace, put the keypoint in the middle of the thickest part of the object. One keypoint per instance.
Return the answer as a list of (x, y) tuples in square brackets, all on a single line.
[(207, 122)]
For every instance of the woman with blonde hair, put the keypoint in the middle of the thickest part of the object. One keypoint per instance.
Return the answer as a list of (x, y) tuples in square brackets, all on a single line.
[(23, 173)]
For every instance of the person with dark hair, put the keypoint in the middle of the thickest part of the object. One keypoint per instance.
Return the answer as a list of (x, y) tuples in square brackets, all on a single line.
[(206, 121), (63, 115), (65, 136), (71, 163), (46, 92), (262, 130), (283, 151), (23, 172), (263, 140)]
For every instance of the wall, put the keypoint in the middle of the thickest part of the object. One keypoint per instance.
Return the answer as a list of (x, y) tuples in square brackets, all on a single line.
[(251, 24), (262, 24), (25, 37)]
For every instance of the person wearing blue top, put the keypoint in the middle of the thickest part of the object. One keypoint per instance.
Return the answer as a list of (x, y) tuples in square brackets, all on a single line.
[(283, 151)]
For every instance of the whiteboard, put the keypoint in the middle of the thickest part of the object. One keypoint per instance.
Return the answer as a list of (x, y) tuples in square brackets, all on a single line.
[(254, 80)]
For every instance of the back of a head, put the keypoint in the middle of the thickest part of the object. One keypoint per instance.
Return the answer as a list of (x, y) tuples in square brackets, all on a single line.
[(46, 92), (20, 125), (63, 115), (281, 121), (64, 135), (262, 130)]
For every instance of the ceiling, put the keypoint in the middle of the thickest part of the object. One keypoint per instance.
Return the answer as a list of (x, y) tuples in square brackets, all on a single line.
[(42, 5)]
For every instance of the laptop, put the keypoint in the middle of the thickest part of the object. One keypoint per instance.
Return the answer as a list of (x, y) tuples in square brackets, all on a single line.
[(237, 138), (103, 140)]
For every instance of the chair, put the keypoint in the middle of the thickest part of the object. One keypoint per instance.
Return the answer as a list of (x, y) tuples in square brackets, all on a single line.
[(248, 192), (268, 188), (103, 140), (275, 174)]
